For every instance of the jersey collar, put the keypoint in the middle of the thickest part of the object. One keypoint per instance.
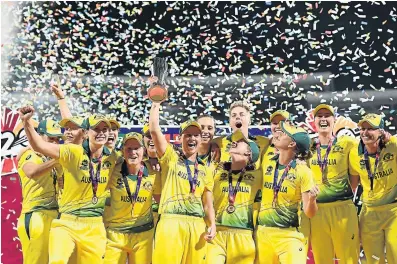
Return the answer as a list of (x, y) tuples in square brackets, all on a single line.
[(293, 165), (86, 147)]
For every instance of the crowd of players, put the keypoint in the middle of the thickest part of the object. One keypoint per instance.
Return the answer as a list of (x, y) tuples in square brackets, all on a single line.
[(230, 199)]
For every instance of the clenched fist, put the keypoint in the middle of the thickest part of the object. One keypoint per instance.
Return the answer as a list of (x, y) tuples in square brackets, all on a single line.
[(26, 113)]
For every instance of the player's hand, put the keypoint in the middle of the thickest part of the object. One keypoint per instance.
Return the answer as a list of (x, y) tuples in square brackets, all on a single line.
[(152, 80), (154, 163), (26, 113), (57, 91), (211, 233), (56, 87), (313, 193)]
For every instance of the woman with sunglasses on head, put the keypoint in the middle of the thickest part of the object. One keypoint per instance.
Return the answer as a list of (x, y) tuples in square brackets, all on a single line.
[(333, 231), (375, 166)]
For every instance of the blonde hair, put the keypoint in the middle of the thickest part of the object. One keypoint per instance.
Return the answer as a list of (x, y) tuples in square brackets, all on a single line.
[(242, 104)]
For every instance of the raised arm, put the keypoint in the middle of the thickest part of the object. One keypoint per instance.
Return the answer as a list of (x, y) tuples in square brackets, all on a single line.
[(35, 140), (33, 170), (155, 131), (63, 106)]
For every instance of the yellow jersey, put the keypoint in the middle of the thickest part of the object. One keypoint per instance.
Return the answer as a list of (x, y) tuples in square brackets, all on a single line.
[(121, 218), (247, 199), (39, 193), (385, 179), (77, 196), (285, 212), (334, 185), (175, 194)]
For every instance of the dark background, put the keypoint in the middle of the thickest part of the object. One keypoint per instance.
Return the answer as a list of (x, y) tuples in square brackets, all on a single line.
[(335, 53)]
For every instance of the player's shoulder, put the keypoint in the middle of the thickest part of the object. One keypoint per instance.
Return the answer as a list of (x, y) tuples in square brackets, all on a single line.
[(28, 155), (302, 168), (347, 140)]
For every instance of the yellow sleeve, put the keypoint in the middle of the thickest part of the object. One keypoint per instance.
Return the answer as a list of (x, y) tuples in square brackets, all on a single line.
[(29, 156), (306, 175), (68, 155), (209, 179), (157, 183), (393, 139), (354, 162), (168, 156), (116, 174), (258, 199)]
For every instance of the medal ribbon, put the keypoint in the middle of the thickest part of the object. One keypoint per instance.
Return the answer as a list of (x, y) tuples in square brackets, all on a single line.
[(277, 186), (192, 181), (323, 163), (368, 165), (233, 191), (94, 176), (124, 173)]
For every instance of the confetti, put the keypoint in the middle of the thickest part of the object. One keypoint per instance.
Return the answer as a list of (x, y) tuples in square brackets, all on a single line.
[(218, 53)]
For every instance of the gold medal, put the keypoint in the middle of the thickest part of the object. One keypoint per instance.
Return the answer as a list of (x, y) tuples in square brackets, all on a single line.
[(94, 200), (230, 209), (371, 194)]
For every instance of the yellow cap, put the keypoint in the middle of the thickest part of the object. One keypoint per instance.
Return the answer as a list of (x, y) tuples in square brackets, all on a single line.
[(187, 124), (298, 134), (323, 106), (376, 121), (133, 135), (94, 120), (238, 135), (78, 120), (283, 113), (50, 128), (114, 121)]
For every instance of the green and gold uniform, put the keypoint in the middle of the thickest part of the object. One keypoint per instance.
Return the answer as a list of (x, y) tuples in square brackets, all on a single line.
[(334, 228), (39, 208), (234, 241), (181, 225), (130, 234), (80, 224), (378, 216), (277, 237)]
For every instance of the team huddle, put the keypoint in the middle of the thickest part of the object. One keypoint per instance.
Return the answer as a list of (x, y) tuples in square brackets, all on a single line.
[(229, 199)]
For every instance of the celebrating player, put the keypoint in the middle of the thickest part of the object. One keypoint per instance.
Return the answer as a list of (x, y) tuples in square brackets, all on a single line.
[(38, 176), (275, 119), (237, 188), (240, 118), (334, 229), (185, 199), (86, 172), (277, 237), (206, 149), (375, 162), (130, 225)]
